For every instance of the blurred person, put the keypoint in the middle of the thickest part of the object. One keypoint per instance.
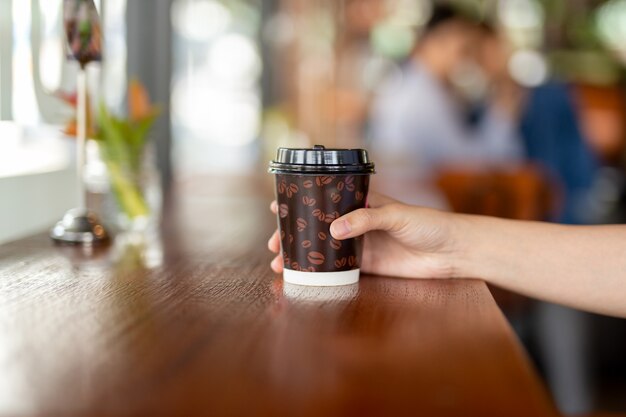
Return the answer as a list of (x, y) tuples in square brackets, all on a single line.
[(548, 126), (418, 123)]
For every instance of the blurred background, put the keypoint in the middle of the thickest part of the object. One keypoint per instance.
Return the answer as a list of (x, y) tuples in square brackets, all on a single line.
[(512, 108)]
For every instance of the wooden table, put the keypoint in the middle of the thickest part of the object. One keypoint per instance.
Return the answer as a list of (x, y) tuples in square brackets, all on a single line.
[(195, 323)]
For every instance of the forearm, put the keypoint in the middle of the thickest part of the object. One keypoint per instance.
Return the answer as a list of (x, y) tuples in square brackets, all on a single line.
[(579, 266)]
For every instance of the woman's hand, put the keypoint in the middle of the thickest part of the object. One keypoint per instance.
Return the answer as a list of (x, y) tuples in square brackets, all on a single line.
[(400, 240), (579, 266)]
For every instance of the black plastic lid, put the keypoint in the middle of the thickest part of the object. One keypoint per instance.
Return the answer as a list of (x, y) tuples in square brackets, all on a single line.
[(320, 160)]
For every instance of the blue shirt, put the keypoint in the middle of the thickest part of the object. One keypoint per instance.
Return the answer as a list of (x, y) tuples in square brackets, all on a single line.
[(552, 138)]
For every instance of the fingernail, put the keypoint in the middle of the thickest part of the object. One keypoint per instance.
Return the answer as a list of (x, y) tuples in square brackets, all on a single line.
[(340, 228)]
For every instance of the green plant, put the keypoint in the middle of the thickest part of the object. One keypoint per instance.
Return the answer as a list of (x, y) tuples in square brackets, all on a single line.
[(122, 143)]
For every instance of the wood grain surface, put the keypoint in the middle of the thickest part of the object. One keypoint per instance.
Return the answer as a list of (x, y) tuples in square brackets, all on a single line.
[(193, 322)]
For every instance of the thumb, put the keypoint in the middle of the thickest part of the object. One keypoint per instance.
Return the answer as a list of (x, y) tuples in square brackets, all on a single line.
[(361, 221)]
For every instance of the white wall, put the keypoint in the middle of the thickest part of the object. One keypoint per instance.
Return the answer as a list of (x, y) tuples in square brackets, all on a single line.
[(32, 203)]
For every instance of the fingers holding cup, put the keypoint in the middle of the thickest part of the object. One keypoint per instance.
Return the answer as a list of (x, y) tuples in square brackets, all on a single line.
[(273, 244)]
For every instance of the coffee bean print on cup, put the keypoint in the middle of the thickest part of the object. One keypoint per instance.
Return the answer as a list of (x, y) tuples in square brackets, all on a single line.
[(281, 187), (319, 214), (301, 224), (291, 190), (308, 201), (305, 217), (349, 183), (331, 217), (340, 263), (283, 210), (323, 180), (316, 258)]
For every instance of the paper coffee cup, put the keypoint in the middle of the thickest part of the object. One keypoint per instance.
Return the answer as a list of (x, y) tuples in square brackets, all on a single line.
[(313, 188)]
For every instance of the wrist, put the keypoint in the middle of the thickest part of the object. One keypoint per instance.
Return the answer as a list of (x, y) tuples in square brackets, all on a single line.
[(470, 239)]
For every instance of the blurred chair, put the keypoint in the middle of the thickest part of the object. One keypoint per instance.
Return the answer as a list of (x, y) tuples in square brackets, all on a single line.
[(522, 194), (603, 119)]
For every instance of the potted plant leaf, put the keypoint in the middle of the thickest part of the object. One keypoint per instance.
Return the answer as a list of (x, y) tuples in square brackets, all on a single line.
[(123, 146)]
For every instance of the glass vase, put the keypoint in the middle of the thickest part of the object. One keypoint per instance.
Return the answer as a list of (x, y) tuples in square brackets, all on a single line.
[(130, 201)]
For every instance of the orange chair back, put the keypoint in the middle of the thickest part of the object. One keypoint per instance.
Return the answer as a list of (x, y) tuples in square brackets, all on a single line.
[(522, 194)]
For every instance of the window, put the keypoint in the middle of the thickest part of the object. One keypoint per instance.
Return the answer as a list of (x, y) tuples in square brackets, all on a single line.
[(36, 170), (216, 97)]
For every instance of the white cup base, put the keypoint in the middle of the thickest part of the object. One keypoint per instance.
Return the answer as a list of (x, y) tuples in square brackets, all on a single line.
[(321, 279)]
